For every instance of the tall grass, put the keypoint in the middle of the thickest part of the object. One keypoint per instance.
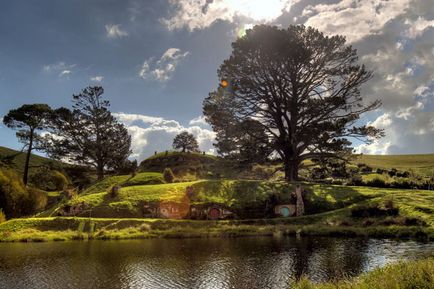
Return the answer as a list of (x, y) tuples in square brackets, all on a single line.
[(402, 275)]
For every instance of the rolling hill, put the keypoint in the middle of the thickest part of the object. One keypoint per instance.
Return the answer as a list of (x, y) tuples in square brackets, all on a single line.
[(18, 159)]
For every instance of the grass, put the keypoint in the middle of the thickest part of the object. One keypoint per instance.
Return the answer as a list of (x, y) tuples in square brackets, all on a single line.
[(249, 197), (333, 203), (422, 164), (20, 159), (75, 228), (402, 275), (125, 180)]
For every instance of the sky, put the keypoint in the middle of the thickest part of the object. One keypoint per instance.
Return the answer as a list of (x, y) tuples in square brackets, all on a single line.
[(158, 59)]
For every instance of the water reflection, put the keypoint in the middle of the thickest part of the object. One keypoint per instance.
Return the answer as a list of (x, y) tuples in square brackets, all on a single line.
[(195, 263)]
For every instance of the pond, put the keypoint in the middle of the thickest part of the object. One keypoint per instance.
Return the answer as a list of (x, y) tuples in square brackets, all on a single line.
[(196, 263)]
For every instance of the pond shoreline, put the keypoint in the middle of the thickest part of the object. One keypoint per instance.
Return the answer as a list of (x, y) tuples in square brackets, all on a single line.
[(404, 274), (75, 228)]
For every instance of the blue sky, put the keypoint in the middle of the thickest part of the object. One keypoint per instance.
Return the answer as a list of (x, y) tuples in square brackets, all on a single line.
[(158, 59)]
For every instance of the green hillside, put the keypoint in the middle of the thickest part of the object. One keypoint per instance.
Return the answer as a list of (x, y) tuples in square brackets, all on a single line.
[(420, 163), (331, 211), (18, 159)]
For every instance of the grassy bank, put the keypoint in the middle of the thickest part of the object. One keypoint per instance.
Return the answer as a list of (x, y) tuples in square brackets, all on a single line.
[(76, 228), (403, 275), (249, 198)]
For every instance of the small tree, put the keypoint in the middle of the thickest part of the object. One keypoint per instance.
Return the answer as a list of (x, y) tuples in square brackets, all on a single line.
[(186, 142), (28, 120), (168, 175)]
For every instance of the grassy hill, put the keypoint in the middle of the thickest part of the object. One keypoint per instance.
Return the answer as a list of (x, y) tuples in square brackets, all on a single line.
[(330, 208), (334, 205), (187, 166), (19, 159), (422, 164)]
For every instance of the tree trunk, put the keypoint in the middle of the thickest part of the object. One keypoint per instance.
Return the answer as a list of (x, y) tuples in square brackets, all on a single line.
[(26, 165), (100, 171), (291, 170)]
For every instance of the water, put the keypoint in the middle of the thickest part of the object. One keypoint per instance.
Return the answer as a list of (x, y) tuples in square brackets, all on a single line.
[(195, 263)]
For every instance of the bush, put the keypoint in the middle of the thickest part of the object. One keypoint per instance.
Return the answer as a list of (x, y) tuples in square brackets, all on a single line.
[(14, 197), (262, 172), (377, 182), (49, 180), (114, 191), (2, 216), (393, 172), (373, 210), (168, 175), (39, 199)]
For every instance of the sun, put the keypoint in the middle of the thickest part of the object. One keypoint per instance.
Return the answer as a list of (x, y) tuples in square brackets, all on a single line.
[(260, 10)]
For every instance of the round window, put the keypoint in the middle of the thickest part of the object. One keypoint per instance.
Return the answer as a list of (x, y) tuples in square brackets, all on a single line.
[(284, 211)]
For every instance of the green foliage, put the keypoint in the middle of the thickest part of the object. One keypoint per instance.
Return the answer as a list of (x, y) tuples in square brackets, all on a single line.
[(28, 120), (2, 216), (402, 275), (89, 134), (262, 172), (14, 197), (298, 126), (186, 142), (39, 199), (168, 175), (49, 180)]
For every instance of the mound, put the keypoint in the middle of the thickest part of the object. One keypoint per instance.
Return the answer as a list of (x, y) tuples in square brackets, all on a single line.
[(195, 164)]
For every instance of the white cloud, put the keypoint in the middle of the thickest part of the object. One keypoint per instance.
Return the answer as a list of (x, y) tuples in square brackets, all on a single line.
[(60, 67), (65, 73), (200, 120), (417, 27), (162, 69), (354, 19), (115, 31), (150, 134), (199, 14), (97, 78)]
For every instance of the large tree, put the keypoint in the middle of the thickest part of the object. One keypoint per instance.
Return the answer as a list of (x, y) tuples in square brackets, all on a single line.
[(301, 86), (185, 142), (89, 134), (28, 119)]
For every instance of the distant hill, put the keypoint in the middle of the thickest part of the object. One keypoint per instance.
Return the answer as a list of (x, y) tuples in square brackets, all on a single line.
[(20, 158), (422, 164), (195, 164)]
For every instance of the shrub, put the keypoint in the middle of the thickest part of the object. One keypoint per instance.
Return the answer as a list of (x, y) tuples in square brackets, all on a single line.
[(168, 175), (366, 169), (393, 172), (14, 197), (49, 180), (2, 216), (373, 210), (262, 172), (114, 191), (39, 199), (356, 180), (377, 182)]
